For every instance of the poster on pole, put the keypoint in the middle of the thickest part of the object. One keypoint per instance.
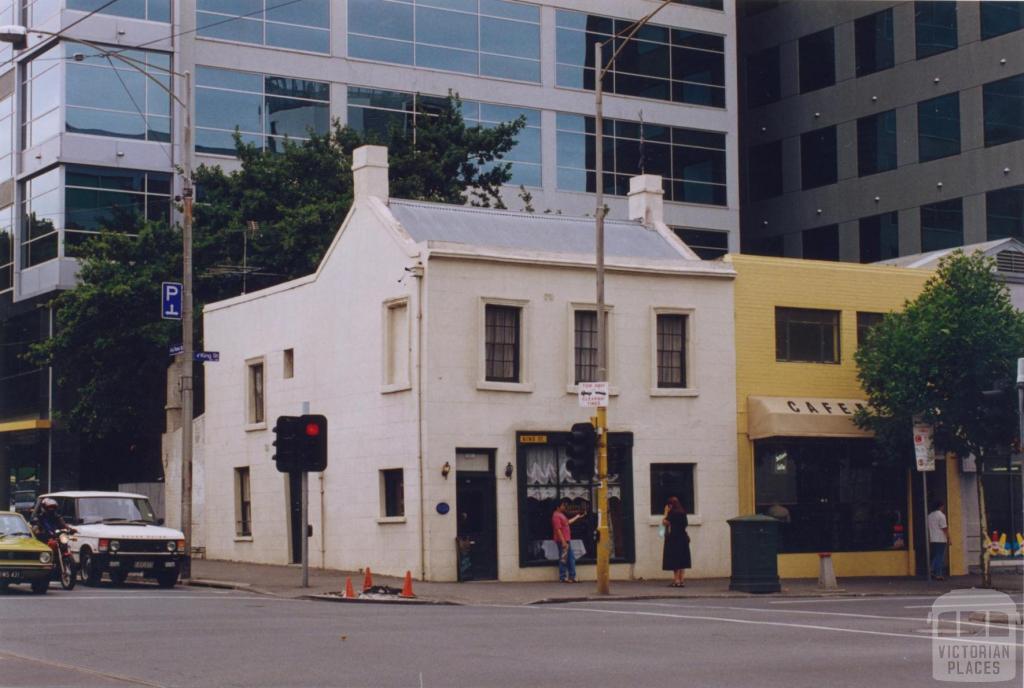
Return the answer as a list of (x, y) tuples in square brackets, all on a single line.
[(924, 450)]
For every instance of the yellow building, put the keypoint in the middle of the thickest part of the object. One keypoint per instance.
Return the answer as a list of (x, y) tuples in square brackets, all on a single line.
[(801, 457)]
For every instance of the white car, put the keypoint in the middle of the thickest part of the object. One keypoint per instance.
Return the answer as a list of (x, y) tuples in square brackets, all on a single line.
[(118, 533)]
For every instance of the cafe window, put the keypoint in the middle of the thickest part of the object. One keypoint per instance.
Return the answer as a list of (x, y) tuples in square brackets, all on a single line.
[(832, 495), (866, 321), (544, 480), (392, 493), (1003, 506), (672, 480), (806, 335)]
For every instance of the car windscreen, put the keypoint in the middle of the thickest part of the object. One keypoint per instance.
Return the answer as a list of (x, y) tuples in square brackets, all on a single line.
[(10, 525), (100, 509)]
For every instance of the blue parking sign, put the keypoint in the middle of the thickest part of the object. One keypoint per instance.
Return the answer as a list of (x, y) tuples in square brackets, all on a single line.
[(170, 299)]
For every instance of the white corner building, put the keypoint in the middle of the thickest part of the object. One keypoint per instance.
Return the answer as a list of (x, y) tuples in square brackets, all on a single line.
[(444, 344)]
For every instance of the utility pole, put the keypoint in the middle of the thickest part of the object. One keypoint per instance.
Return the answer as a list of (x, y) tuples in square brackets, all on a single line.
[(604, 545), (186, 333)]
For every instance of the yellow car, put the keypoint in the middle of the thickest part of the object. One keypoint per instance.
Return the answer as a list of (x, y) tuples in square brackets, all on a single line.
[(23, 559)]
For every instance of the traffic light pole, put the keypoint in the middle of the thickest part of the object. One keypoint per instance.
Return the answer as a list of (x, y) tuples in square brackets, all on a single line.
[(305, 529)]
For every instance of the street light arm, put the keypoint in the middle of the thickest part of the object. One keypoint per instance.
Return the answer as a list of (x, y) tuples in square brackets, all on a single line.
[(631, 29)]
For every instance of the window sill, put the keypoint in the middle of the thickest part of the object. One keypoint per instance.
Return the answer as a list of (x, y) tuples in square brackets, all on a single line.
[(674, 392), (252, 427), (243, 538), (613, 390), (388, 520), (521, 387), (691, 520), (397, 387)]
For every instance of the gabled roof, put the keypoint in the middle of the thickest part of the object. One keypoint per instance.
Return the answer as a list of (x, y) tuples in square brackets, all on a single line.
[(520, 231), (994, 248)]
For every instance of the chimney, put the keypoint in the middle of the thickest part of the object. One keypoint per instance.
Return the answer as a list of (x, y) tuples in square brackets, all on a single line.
[(370, 172), (645, 199)]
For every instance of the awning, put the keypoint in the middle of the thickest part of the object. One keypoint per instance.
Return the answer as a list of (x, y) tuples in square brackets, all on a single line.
[(803, 417), (20, 425)]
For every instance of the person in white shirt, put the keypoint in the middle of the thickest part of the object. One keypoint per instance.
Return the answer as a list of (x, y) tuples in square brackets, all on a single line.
[(938, 538)]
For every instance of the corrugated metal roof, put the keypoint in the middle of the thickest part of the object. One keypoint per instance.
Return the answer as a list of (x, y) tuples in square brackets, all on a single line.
[(527, 231), (930, 259)]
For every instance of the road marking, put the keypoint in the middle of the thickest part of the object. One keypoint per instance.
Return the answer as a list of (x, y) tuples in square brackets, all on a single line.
[(829, 600), (35, 599), (82, 670), (752, 622)]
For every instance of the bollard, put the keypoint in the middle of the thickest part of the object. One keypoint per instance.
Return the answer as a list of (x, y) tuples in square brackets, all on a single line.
[(826, 572)]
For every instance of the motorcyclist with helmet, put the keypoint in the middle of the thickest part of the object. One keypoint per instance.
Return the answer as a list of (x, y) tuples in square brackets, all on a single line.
[(47, 521)]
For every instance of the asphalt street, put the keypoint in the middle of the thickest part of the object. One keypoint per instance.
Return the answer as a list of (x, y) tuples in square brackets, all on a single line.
[(139, 635)]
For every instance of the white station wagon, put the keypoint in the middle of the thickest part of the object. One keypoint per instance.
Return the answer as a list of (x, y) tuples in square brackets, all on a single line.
[(118, 533)]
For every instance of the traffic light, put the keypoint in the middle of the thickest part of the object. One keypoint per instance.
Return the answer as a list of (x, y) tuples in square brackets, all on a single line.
[(582, 442), (300, 443)]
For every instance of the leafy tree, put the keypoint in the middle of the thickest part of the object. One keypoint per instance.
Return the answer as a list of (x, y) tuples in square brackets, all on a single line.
[(939, 360), (110, 348)]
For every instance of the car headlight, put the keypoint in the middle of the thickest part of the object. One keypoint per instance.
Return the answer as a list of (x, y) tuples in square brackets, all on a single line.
[(171, 545), (45, 557), (63, 538), (114, 545)]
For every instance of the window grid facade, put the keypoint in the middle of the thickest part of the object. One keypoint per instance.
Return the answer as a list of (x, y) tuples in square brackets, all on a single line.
[(151, 10), (691, 162), (301, 25), (935, 27), (671, 350), (481, 37), (874, 43), (659, 62), (1003, 103), (938, 127), (374, 112), (876, 143), (501, 343), (266, 109), (817, 60)]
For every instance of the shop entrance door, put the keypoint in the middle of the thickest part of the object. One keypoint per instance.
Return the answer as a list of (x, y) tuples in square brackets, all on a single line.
[(476, 510), (936, 490)]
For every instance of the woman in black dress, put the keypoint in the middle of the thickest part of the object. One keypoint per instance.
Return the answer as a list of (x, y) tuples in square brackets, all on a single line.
[(676, 555)]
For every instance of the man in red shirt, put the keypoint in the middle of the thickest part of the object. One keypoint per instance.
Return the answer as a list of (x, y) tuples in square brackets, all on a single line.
[(562, 536)]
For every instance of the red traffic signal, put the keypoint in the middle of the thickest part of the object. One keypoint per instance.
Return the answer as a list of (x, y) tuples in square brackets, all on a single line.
[(312, 429), (301, 443)]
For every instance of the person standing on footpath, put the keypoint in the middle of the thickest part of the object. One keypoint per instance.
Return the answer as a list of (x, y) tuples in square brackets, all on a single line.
[(676, 553), (562, 536), (938, 538)]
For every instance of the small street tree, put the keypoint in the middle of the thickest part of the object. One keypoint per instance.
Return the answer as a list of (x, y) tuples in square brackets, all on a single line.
[(948, 359), (110, 348)]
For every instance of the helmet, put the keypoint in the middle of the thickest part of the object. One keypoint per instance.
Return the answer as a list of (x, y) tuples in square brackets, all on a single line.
[(49, 503)]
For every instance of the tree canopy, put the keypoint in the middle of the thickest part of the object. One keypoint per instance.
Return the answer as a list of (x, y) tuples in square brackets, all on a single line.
[(110, 349), (959, 339)]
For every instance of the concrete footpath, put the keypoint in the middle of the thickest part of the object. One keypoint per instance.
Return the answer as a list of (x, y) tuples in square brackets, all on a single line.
[(286, 581)]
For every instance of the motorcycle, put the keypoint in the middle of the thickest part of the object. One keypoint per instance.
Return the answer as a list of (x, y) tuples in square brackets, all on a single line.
[(63, 562)]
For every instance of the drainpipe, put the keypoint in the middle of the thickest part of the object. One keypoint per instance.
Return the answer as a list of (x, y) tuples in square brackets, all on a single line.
[(417, 273)]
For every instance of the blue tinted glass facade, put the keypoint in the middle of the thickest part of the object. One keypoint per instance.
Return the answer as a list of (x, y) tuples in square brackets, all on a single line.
[(691, 162), (151, 10), (935, 27), (375, 112), (480, 37), (266, 109), (1003, 102), (938, 127), (658, 62), (298, 25)]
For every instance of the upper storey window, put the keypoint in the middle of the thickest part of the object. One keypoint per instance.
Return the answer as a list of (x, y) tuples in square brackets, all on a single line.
[(658, 62), (935, 27), (485, 37), (817, 60), (998, 18), (153, 10), (264, 108), (874, 41), (298, 25)]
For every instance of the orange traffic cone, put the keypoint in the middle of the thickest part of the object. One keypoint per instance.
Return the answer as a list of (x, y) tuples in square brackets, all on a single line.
[(349, 592), (407, 588), (367, 580)]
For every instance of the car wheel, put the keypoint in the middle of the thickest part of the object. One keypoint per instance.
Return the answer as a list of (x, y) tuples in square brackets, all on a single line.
[(118, 577), (90, 575), (167, 579), (40, 586)]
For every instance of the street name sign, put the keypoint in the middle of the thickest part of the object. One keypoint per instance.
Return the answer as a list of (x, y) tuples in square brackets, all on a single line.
[(170, 300), (593, 394), (213, 356)]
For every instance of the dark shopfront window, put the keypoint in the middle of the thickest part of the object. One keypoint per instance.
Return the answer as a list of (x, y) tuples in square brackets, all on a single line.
[(1003, 494), (544, 481), (840, 494)]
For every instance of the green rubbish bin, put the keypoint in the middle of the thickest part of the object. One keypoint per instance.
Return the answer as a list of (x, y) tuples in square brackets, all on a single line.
[(755, 554)]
